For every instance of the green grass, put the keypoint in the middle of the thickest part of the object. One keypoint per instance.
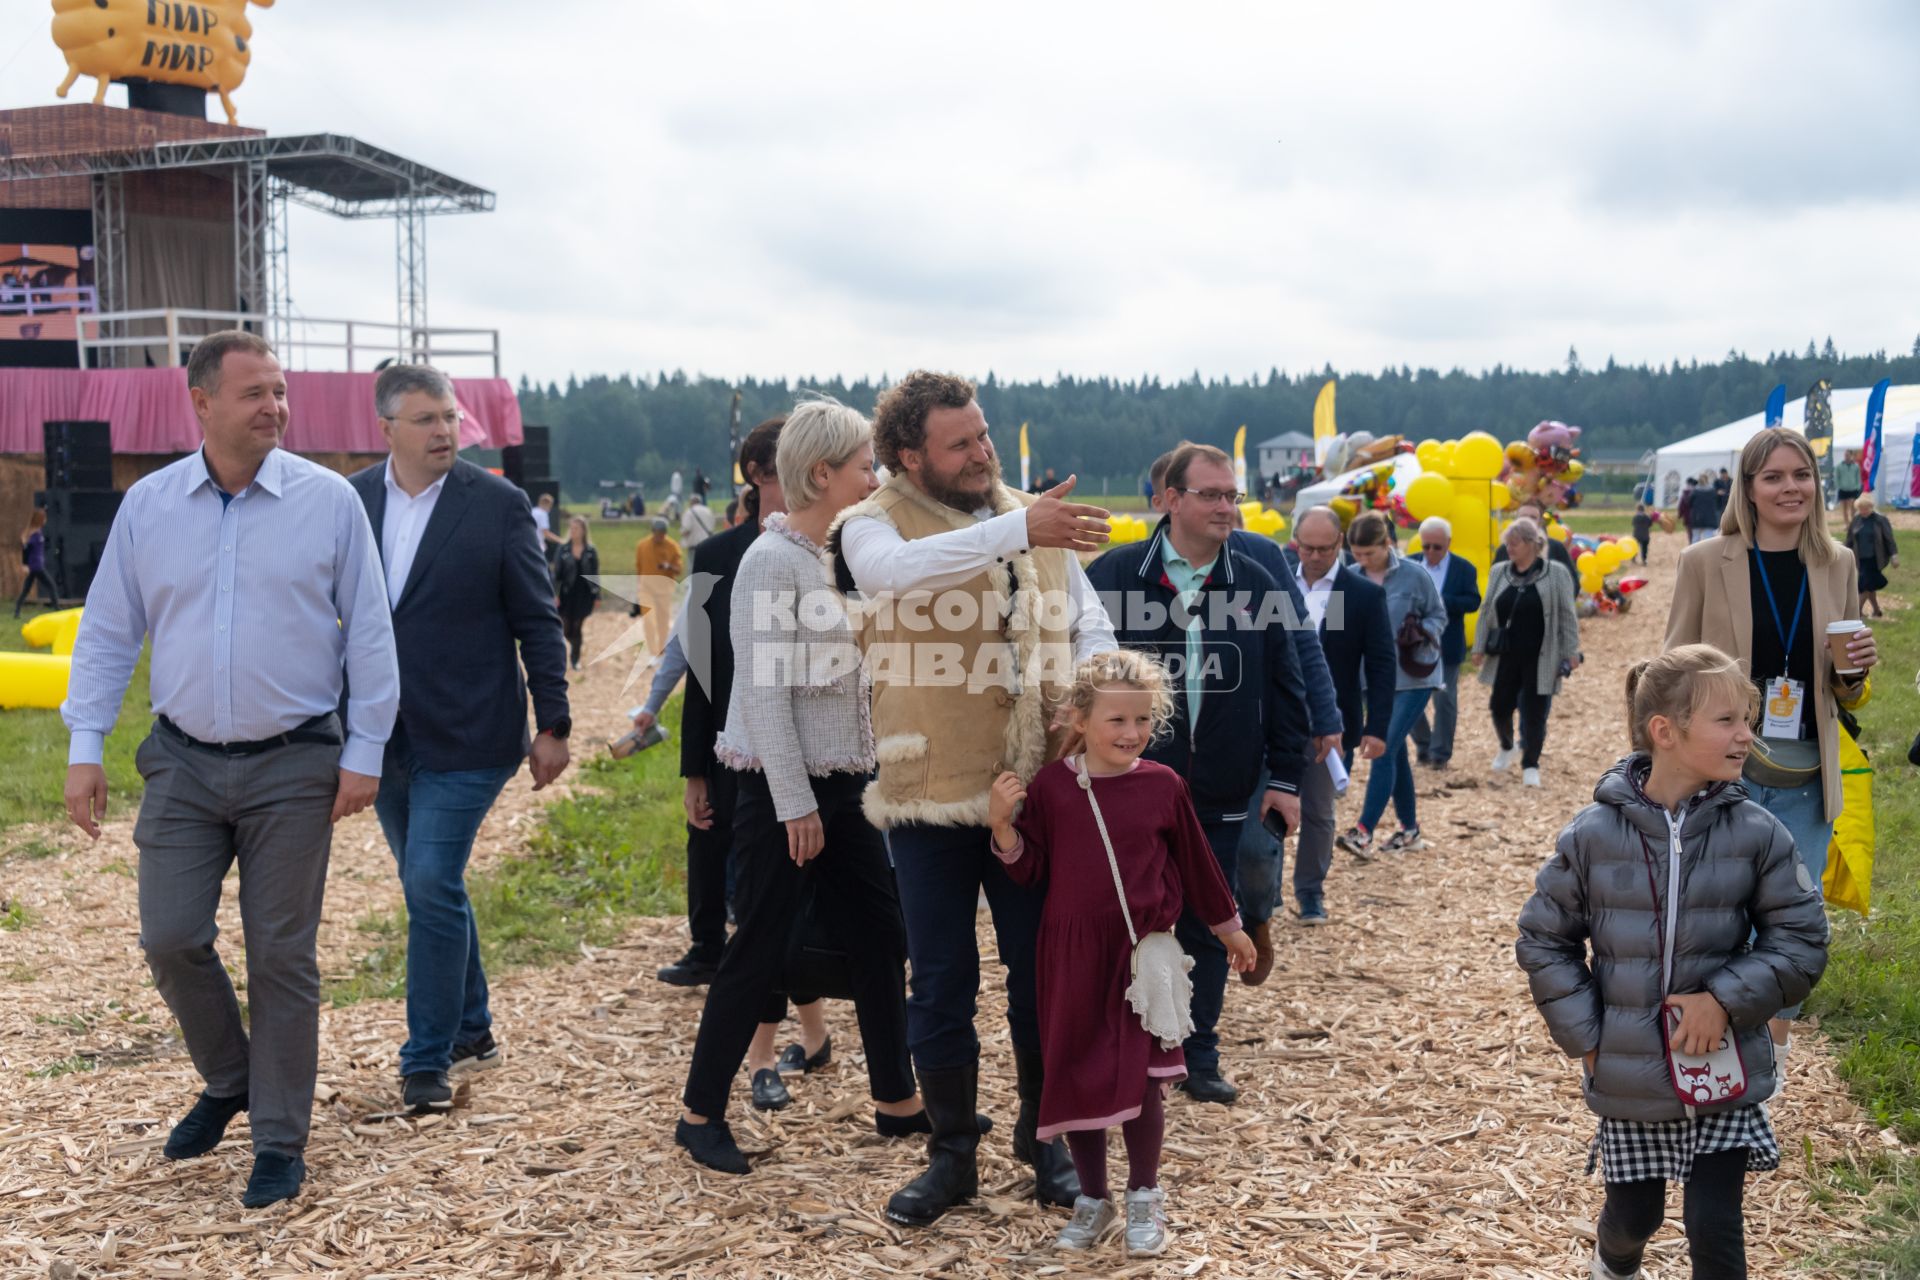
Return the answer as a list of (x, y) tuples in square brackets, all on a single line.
[(1869, 1001), (33, 743), (64, 1067), (613, 850)]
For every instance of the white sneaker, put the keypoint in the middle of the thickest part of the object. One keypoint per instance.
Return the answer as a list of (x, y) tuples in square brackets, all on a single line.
[(1092, 1220), (1530, 777), (1504, 761), (1601, 1271), (1147, 1221)]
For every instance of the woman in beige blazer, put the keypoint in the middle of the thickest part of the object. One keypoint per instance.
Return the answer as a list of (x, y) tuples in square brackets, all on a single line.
[(1773, 539)]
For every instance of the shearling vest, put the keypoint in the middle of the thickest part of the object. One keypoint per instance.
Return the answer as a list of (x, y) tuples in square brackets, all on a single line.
[(964, 678)]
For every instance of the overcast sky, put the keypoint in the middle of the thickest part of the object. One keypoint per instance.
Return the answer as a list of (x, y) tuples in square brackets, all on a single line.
[(782, 189)]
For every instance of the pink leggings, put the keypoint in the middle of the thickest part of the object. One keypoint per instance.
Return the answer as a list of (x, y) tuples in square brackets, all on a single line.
[(1142, 1134)]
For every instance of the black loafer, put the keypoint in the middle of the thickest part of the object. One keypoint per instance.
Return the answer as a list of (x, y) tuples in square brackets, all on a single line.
[(688, 971), (795, 1062), (769, 1091), (427, 1091), (711, 1144), (201, 1129), (1209, 1086), (275, 1178)]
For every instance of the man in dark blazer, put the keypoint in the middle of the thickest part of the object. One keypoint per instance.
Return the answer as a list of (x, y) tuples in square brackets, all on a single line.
[(1356, 634), (471, 603), (1459, 586)]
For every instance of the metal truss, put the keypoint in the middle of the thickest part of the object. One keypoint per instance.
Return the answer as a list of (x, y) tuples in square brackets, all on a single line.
[(329, 172), (410, 279), (110, 248)]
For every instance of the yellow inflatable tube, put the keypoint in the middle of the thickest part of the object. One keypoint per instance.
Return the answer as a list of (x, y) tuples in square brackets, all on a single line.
[(33, 680), (44, 630)]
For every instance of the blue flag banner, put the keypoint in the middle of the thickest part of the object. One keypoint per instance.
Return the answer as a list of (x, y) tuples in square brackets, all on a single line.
[(1870, 448), (1777, 406)]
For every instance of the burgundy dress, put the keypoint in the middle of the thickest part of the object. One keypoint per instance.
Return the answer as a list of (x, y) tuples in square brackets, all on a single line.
[(1098, 1056)]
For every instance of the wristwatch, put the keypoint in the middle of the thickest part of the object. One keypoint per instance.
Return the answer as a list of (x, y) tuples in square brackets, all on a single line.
[(560, 729)]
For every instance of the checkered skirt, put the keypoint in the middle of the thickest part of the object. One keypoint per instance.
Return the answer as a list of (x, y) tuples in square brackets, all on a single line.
[(1636, 1150)]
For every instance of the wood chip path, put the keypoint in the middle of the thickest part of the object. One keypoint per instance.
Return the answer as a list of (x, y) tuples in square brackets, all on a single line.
[(1402, 1112)]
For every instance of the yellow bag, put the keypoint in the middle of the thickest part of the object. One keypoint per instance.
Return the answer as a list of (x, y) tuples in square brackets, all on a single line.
[(1849, 878)]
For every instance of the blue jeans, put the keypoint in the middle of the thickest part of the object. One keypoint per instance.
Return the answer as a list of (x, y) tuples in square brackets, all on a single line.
[(1392, 774), (1436, 743), (1209, 958), (940, 872), (1802, 810), (430, 820), (1260, 857)]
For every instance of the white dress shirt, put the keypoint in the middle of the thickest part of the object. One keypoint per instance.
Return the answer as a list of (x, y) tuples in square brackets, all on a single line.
[(402, 528), (1317, 594), (884, 563), (1438, 572), (255, 607)]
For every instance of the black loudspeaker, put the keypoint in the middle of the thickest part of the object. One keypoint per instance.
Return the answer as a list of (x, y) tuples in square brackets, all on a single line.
[(534, 486), (78, 522), (531, 459), (79, 455)]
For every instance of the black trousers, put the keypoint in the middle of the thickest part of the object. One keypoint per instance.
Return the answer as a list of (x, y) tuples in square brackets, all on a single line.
[(855, 884), (707, 853), (573, 624), (46, 589), (1511, 692), (1711, 1208)]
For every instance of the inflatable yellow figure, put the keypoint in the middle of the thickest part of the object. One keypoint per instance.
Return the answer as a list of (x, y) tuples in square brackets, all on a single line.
[(204, 43)]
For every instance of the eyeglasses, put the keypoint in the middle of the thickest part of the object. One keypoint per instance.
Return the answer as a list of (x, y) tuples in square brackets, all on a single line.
[(428, 421), (1433, 546), (1322, 549), (1211, 496)]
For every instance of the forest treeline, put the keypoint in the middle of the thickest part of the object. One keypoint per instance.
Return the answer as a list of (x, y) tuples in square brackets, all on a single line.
[(643, 427)]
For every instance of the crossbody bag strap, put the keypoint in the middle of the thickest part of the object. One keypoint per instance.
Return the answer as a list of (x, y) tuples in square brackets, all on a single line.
[(1113, 863)]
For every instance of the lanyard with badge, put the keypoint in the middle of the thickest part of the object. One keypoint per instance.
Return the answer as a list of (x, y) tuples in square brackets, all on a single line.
[(1785, 696)]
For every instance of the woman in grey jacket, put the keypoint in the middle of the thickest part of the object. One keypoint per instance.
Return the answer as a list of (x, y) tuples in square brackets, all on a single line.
[(800, 736), (1410, 595), (1528, 617), (1673, 816)]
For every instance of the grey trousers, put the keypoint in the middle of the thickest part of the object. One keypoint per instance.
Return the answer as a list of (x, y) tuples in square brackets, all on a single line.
[(1435, 742), (1313, 850), (270, 811)]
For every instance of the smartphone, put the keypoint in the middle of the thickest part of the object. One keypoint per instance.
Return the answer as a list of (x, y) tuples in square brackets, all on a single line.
[(1566, 668), (1276, 823)]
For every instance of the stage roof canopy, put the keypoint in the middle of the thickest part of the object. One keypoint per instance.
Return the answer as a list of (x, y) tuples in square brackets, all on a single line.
[(326, 171)]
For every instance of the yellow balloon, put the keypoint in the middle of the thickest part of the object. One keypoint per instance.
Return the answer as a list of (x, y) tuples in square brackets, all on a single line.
[(1413, 543), (1592, 581), (1629, 547), (1607, 556), (1518, 453), (1346, 509), (1248, 510), (1559, 532), (1502, 497), (1444, 461), (1428, 452), (1574, 471), (1479, 457), (1429, 495)]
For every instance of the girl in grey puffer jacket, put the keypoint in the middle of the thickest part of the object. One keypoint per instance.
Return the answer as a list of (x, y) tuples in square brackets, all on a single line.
[(1676, 796)]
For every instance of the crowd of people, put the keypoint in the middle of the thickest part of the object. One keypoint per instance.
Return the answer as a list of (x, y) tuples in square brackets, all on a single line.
[(905, 694)]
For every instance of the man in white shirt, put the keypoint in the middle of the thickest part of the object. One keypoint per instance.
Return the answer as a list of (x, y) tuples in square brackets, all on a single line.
[(255, 574), (1458, 583), (944, 532)]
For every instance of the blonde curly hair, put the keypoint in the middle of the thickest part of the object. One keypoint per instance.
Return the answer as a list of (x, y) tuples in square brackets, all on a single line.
[(1127, 669)]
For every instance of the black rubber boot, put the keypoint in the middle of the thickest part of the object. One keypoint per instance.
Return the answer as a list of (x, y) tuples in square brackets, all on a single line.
[(1054, 1179), (952, 1175)]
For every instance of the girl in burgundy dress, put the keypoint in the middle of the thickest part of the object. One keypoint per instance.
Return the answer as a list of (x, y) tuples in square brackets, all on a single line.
[(1103, 1066)]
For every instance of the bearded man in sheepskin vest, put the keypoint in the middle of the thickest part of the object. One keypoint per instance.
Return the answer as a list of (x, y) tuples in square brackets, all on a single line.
[(975, 612)]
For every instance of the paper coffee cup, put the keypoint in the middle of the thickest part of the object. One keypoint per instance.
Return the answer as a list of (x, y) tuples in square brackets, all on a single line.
[(1838, 633)]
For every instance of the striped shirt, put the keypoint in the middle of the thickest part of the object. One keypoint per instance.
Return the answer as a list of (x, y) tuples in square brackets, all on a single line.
[(257, 605)]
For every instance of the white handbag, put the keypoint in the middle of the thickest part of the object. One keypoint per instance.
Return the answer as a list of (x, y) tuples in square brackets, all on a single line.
[(1161, 992)]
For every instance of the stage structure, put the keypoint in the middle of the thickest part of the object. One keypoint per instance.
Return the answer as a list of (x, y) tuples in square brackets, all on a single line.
[(128, 234), (54, 152)]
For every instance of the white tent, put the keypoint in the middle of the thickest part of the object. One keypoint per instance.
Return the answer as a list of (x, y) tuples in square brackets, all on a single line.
[(1720, 447), (1406, 468)]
